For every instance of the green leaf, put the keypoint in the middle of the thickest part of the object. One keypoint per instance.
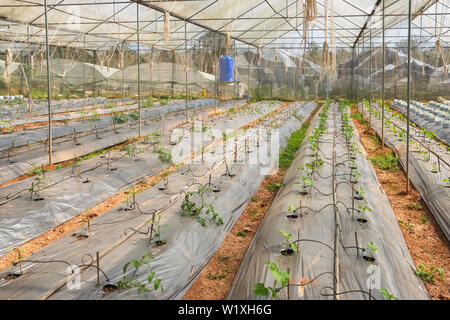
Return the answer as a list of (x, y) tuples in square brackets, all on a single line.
[(150, 277), (260, 290), (294, 246), (272, 266), (125, 267), (387, 295), (287, 235), (372, 247), (281, 276), (156, 284)]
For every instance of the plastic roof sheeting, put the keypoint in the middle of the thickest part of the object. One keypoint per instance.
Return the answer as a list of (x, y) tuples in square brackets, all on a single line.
[(99, 24)]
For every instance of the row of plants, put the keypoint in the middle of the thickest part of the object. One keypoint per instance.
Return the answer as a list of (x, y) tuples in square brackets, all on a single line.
[(289, 247), (390, 162), (427, 136)]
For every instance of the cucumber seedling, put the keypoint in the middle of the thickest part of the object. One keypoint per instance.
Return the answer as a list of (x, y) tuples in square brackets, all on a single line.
[(369, 253), (280, 276), (288, 247)]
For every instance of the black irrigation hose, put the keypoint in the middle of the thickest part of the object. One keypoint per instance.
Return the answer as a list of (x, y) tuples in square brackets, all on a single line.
[(371, 297), (152, 211), (98, 165), (316, 211), (348, 247), (316, 241), (309, 282), (83, 263), (337, 157), (327, 177), (140, 232), (324, 194)]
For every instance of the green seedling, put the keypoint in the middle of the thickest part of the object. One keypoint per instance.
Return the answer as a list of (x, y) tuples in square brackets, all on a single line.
[(446, 182), (192, 208), (119, 117), (164, 155), (427, 274), (387, 295), (287, 244), (361, 192), (372, 247), (363, 209), (134, 115), (241, 233), (129, 282), (415, 206), (274, 187), (132, 150), (279, 276)]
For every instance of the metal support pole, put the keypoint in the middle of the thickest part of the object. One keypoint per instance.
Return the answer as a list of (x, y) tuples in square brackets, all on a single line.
[(357, 79), (186, 71), (363, 96), (84, 70), (408, 98), (216, 72), (49, 96), (352, 92), (382, 82), (151, 71), (370, 74), (30, 68), (139, 68), (234, 73), (173, 71), (122, 83), (248, 76)]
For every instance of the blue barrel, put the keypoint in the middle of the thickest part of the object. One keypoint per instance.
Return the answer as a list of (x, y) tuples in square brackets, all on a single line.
[(226, 68)]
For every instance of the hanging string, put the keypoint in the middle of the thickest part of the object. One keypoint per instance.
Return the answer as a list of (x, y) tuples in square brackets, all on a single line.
[(8, 61), (332, 61), (121, 58), (310, 10), (166, 26), (227, 42), (151, 59), (325, 55), (259, 55)]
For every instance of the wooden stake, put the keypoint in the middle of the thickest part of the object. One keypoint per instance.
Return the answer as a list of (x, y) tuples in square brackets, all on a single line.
[(98, 268), (288, 289)]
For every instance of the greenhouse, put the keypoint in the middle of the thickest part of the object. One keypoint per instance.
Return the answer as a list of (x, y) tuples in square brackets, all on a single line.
[(224, 150)]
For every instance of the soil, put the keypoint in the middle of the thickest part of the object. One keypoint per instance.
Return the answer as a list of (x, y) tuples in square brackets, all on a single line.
[(425, 240)]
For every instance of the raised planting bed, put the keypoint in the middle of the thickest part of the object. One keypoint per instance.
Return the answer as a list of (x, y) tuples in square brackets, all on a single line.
[(317, 240), (429, 164), (434, 117), (86, 137)]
